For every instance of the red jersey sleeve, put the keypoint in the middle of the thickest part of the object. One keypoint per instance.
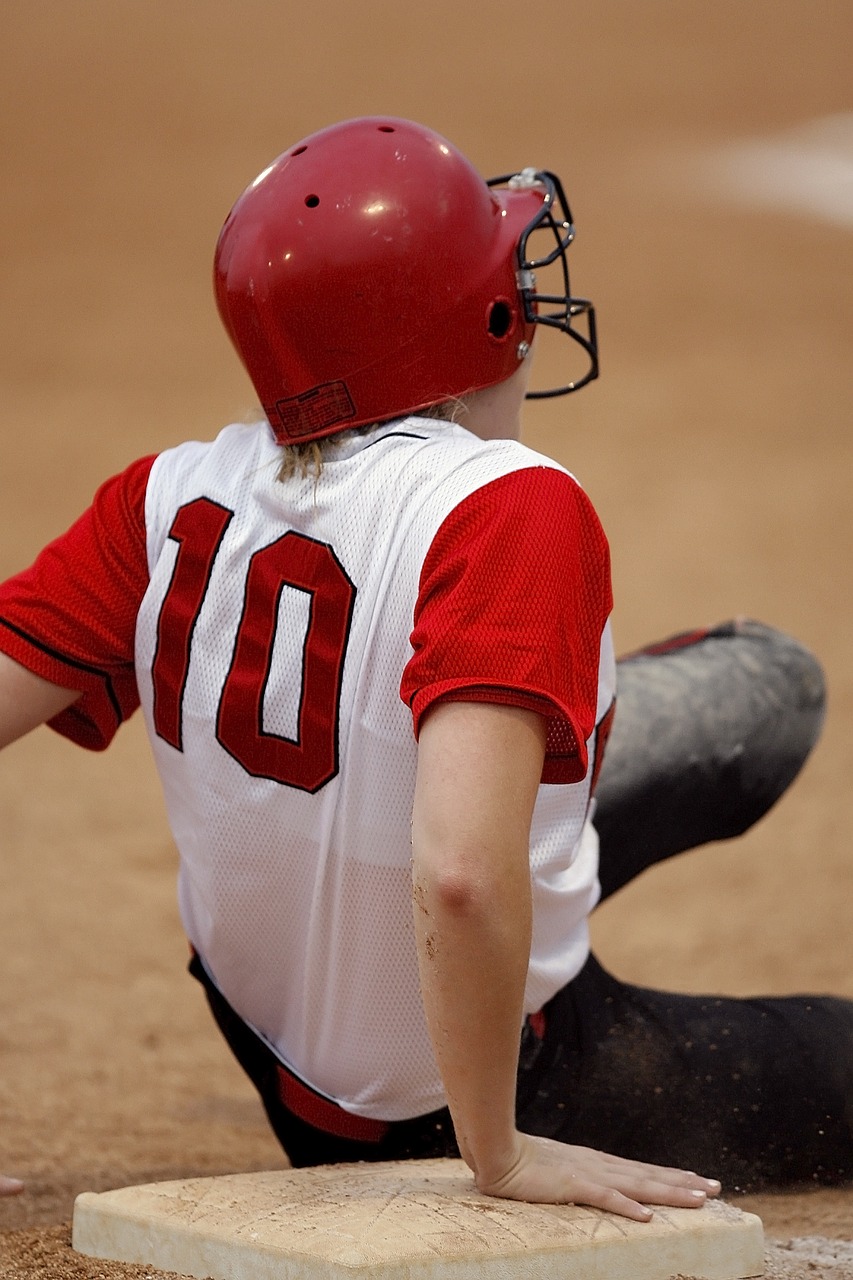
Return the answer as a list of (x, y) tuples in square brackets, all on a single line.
[(514, 596), (71, 617)]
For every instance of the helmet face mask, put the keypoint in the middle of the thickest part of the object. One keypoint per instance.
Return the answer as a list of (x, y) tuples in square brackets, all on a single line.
[(370, 272), (558, 309)]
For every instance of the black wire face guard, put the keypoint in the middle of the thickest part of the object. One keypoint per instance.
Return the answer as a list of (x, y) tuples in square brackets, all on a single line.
[(562, 309)]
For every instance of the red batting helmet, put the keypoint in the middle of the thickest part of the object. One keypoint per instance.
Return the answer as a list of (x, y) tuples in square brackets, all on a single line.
[(370, 271)]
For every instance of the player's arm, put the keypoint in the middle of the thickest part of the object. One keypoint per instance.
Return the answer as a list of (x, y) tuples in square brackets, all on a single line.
[(27, 700), (69, 620), (479, 767)]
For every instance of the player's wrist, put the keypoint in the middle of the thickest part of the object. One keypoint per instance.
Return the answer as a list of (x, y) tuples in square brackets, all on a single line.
[(491, 1157)]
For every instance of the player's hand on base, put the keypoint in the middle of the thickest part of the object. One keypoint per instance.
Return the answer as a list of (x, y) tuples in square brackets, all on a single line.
[(10, 1186), (549, 1172)]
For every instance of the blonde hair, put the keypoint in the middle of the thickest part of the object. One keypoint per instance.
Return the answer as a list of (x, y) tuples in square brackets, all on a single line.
[(305, 461)]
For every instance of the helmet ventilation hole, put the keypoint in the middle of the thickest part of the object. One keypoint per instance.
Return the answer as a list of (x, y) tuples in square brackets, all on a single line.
[(500, 319), (298, 151), (312, 201), (386, 128)]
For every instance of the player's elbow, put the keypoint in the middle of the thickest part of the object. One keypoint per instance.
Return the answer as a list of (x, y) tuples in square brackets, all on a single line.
[(462, 885), (458, 892)]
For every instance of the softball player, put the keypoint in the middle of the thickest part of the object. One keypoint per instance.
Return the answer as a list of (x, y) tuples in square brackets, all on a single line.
[(370, 638)]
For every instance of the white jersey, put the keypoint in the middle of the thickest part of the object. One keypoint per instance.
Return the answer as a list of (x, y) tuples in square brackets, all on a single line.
[(279, 623)]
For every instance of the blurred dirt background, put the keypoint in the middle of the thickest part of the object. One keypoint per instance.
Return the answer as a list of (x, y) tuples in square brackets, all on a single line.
[(716, 447)]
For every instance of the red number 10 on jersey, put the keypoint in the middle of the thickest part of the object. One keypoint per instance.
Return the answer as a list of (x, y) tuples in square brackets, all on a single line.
[(311, 760)]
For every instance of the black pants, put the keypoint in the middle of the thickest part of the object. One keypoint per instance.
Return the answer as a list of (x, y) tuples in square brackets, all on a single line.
[(710, 730)]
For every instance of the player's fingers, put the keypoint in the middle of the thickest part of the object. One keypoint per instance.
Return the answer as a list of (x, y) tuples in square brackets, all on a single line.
[(680, 1181), (677, 1179), (662, 1175), (10, 1186), (652, 1191), (609, 1199)]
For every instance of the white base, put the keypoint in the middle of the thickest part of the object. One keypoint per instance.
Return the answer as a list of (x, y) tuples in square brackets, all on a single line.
[(406, 1220)]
